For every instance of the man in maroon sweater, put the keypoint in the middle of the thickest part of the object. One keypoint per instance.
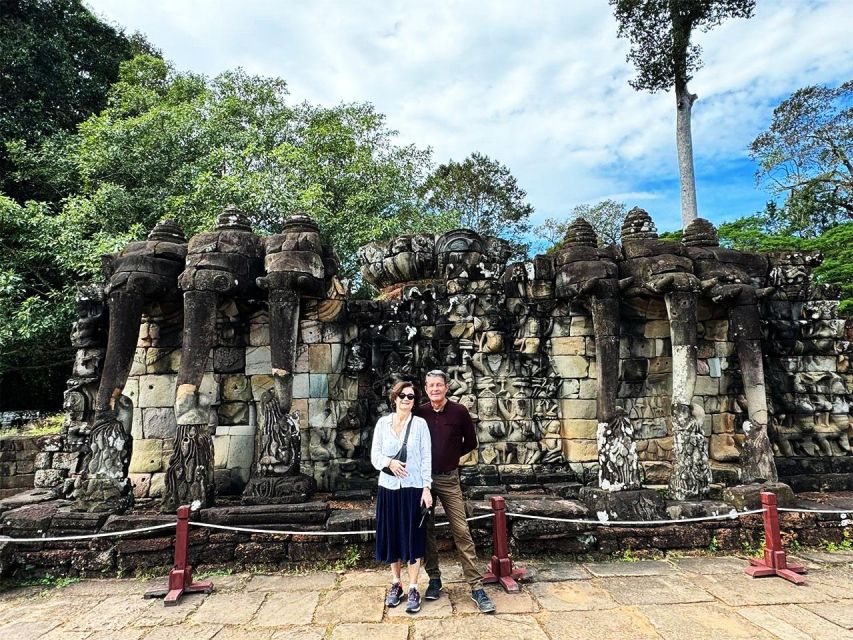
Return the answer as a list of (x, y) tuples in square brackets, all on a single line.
[(452, 433)]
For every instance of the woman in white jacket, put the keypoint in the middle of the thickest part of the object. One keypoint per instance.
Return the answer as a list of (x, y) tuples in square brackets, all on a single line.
[(403, 488)]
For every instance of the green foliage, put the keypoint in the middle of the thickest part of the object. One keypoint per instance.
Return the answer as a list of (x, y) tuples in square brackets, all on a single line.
[(846, 543), (713, 546), (58, 62), (350, 560), (754, 233), (806, 155), (606, 217), (484, 196), (660, 30), (628, 556)]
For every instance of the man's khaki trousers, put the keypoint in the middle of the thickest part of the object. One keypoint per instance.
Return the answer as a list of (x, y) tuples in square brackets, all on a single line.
[(445, 487)]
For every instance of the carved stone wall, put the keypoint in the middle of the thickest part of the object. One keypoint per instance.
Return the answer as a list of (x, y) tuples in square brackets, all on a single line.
[(519, 357)]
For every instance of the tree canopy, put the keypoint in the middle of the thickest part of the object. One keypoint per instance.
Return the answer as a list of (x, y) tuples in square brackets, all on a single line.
[(58, 62), (484, 195), (806, 155), (665, 58), (606, 217)]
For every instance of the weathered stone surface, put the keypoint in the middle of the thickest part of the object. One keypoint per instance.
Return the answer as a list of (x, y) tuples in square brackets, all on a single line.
[(314, 581), (629, 569), (351, 605), (739, 590), (748, 496), (654, 589), (374, 631), (517, 627), (281, 609), (701, 621), (598, 625), (579, 595), (229, 608)]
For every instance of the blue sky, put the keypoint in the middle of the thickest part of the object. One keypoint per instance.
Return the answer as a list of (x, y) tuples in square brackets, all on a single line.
[(540, 86)]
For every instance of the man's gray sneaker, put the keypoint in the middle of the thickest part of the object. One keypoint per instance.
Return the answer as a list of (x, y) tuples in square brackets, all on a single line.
[(395, 594), (413, 602), (484, 603), (433, 591)]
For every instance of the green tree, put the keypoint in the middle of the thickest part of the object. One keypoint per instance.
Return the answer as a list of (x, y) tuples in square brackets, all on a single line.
[(58, 61), (659, 31), (183, 146), (606, 217), (806, 155), (484, 195)]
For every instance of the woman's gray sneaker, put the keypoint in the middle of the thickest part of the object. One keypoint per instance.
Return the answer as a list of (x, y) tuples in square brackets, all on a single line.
[(484, 603), (413, 602), (395, 594)]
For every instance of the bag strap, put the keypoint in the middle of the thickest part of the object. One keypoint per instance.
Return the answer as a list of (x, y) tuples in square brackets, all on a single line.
[(406, 437)]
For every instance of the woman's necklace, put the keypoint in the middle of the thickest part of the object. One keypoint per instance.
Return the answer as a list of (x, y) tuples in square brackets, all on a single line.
[(398, 422)]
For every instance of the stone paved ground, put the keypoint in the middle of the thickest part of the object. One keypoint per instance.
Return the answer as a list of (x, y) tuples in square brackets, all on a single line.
[(691, 598)]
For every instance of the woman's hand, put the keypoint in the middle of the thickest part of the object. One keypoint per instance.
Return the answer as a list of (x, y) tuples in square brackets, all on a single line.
[(398, 468), (426, 497)]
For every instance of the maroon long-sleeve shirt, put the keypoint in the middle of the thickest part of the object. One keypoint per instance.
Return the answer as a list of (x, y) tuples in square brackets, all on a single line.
[(452, 433)]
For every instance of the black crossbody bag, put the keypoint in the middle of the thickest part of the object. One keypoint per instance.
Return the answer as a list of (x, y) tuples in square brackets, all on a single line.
[(402, 453)]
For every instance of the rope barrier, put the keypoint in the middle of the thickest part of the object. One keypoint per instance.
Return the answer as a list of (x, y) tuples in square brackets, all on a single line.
[(835, 511), (731, 515), (90, 536)]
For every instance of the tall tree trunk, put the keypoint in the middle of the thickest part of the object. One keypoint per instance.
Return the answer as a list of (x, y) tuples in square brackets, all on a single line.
[(684, 142)]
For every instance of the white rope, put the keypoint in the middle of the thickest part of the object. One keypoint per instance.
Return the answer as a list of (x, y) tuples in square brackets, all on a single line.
[(90, 536), (279, 532), (731, 515), (835, 511)]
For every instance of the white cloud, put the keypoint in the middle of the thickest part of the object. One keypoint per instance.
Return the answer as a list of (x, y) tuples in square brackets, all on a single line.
[(541, 86)]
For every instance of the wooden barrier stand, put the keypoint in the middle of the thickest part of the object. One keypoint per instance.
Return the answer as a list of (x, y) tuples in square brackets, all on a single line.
[(775, 562)]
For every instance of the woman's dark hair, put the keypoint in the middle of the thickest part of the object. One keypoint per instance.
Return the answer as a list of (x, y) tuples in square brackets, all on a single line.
[(398, 388)]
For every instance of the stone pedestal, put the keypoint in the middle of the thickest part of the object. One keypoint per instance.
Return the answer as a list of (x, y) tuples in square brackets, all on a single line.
[(634, 504), (279, 489), (748, 496)]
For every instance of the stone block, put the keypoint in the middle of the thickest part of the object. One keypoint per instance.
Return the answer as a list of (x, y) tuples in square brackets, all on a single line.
[(141, 483), (259, 334), (663, 347), (570, 388), (319, 358), (136, 424), (317, 413), (229, 359), (157, 390), (233, 413), (43, 460), (657, 329), (261, 384), (587, 389), (568, 346), (236, 387), (723, 448), (656, 472), (241, 452), (748, 496), (303, 364), (210, 387), (300, 406), (300, 385), (137, 366), (318, 385), (158, 485), (641, 348), (159, 422), (310, 331), (579, 429), (131, 390), (660, 365), (338, 355), (717, 330), (571, 366), (258, 361), (220, 450), (707, 386), (69, 461), (147, 456), (580, 450), (162, 360), (581, 326), (333, 333), (46, 478), (578, 410)]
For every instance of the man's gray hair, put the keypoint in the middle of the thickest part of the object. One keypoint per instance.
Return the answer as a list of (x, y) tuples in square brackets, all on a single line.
[(437, 373)]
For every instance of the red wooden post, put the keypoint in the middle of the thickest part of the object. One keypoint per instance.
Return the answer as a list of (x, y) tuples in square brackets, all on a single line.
[(181, 575), (500, 568), (775, 562)]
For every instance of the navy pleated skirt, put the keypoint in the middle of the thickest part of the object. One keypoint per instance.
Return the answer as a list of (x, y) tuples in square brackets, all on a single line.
[(398, 537)]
